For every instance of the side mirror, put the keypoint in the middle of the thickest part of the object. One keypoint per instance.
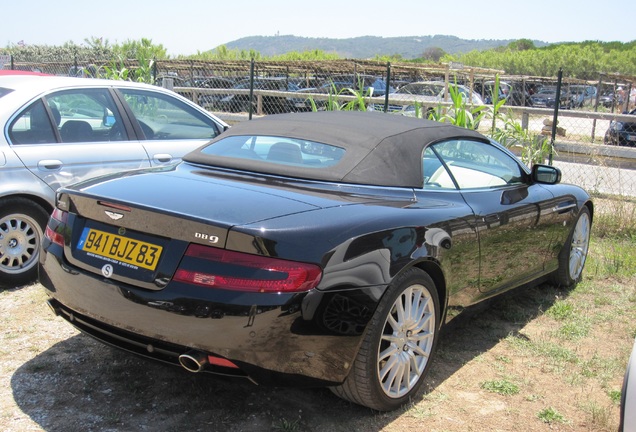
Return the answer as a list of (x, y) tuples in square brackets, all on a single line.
[(546, 174), (108, 118)]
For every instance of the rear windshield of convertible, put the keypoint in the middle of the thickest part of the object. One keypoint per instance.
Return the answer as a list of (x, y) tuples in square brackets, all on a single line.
[(276, 150)]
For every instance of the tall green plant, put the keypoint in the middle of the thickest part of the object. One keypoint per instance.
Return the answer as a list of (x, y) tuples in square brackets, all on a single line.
[(534, 148), (495, 111), (360, 102), (511, 134), (461, 112), (144, 71), (333, 99), (117, 70)]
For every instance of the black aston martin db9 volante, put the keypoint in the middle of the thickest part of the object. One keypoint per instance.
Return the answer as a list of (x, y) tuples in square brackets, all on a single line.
[(310, 249)]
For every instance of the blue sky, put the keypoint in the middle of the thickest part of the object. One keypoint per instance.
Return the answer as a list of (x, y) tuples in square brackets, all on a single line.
[(187, 26)]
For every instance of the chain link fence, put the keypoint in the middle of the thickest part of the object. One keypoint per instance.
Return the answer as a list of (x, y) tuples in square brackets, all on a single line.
[(589, 135)]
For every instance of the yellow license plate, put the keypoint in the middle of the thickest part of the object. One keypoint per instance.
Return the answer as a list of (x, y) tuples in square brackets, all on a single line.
[(120, 249)]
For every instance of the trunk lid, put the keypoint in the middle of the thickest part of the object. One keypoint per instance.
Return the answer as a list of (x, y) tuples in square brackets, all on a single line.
[(135, 226)]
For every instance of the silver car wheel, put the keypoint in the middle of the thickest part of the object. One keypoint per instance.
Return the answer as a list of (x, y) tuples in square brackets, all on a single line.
[(398, 346), (407, 341), (579, 246), (20, 237)]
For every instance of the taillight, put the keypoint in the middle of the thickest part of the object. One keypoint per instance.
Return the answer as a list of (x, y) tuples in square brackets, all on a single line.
[(245, 272), (60, 217)]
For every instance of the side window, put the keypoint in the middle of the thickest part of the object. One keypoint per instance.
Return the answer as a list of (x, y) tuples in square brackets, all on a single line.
[(163, 117), (473, 165), (87, 115), (435, 174), (34, 125)]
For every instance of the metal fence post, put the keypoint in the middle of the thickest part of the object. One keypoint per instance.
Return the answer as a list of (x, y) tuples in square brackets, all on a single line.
[(154, 70), (596, 100), (523, 93), (627, 95), (555, 118), (615, 99), (251, 89), (388, 85)]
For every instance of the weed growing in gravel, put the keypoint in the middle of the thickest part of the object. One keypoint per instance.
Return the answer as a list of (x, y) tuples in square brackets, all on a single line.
[(600, 417), (502, 387), (287, 425), (550, 415)]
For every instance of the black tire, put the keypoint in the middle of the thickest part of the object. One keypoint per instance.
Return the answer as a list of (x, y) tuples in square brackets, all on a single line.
[(574, 252), (396, 344), (22, 223)]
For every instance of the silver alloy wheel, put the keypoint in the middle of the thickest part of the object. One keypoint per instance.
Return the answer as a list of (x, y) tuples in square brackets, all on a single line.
[(407, 341), (20, 237), (579, 246)]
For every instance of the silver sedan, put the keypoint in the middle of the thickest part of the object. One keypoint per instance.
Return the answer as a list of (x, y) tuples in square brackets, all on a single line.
[(59, 130)]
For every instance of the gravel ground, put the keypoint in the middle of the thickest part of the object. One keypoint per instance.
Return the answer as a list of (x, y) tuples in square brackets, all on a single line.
[(56, 379)]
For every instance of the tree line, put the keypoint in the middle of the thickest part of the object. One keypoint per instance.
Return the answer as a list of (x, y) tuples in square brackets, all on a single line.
[(583, 60)]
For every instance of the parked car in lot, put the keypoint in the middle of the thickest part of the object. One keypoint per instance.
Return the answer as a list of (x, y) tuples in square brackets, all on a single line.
[(515, 93), (236, 102), (582, 95), (171, 80), (546, 97), (210, 82), (320, 248), (59, 130), (487, 91), (607, 99), (367, 85), (305, 102), (427, 93), (621, 133)]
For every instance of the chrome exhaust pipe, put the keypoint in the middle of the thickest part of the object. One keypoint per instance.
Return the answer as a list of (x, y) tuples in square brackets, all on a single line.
[(193, 361)]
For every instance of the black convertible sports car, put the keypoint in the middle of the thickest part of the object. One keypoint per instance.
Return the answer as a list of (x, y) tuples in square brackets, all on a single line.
[(310, 249)]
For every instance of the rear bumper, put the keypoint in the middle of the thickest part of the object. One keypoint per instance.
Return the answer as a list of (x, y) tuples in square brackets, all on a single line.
[(272, 338), (147, 347)]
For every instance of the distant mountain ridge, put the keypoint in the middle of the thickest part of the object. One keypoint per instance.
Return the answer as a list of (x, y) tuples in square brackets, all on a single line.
[(365, 47)]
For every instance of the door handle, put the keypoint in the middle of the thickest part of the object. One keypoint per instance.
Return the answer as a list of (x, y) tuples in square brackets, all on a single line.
[(162, 158), (50, 165)]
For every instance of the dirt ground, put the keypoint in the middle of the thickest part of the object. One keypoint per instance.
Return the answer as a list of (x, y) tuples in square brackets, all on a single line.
[(505, 366)]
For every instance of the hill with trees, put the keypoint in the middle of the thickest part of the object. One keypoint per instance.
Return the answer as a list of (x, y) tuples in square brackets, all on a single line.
[(365, 47)]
